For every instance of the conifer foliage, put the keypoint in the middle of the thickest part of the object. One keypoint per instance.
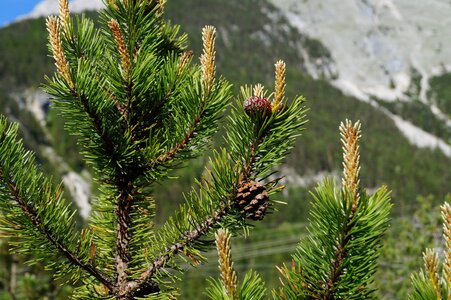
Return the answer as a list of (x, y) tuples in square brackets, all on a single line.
[(338, 259), (434, 282), (252, 288), (141, 107)]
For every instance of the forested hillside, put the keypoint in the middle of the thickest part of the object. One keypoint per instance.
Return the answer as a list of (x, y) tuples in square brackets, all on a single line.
[(247, 42), (252, 36)]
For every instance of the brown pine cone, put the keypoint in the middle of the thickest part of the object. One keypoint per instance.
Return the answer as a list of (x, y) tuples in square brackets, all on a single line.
[(252, 200)]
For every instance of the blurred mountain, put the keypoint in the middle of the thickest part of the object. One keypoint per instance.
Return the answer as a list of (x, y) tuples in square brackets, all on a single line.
[(253, 34), (377, 45), (392, 54), (389, 53)]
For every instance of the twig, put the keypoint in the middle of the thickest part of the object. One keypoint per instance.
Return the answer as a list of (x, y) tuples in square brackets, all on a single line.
[(58, 244)]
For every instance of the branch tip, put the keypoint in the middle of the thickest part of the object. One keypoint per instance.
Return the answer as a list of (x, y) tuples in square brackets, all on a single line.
[(446, 215), (350, 136), (259, 90), (54, 30), (279, 84), (184, 61), (430, 258), (228, 274), (63, 13), (207, 59), (121, 45)]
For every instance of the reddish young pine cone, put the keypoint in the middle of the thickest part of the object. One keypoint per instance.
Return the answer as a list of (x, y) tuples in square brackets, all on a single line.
[(257, 107)]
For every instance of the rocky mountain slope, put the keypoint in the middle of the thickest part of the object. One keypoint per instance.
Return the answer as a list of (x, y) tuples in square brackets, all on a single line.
[(376, 44), (381, 50)]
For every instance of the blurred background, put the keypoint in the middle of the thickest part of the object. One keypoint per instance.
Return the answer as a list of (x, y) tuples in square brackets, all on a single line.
[(384, 62)]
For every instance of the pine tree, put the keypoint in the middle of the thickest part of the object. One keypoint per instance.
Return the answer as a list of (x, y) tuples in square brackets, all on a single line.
[(338, 258), (141, 107)]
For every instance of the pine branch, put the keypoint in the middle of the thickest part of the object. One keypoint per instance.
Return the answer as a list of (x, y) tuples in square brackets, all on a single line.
[(62, 248), (191, 132), (180, 146), (190, 237), (341, 254), (123, 176), (277, 133), (122, 182), (228, 274), (228, 187), (42, 216), (431, 265), (184, 240), (81, 89), (339, 257), (123, 234), (198, 121), (140, 109), (211, 100), (125, 184), (350, 134), (446, 216), (124, 208), (203, 227), (267, 138), (208, 68)]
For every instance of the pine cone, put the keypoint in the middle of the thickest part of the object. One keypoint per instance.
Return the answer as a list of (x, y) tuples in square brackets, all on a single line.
[(257, 107), (252, 200)]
